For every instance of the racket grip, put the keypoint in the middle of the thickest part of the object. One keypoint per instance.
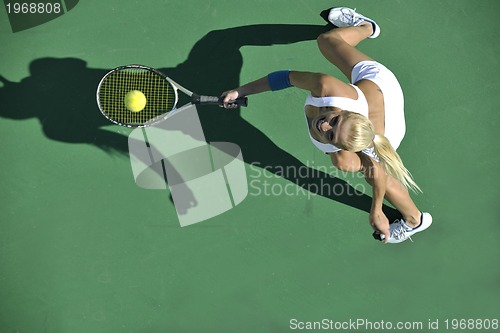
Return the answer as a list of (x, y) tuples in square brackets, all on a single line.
[(242, 101), (202, 99)]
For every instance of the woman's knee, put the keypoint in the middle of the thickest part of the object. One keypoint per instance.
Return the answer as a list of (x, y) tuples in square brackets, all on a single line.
[(328, 39)]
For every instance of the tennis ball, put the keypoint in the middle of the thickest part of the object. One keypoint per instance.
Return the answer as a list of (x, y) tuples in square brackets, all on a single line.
[(135, 101)]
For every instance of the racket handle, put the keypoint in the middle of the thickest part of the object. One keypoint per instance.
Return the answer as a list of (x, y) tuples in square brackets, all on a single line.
[(242, 101), (202, 99)]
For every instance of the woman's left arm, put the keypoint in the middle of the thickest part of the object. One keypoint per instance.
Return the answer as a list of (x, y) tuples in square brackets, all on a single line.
[(376, 176)]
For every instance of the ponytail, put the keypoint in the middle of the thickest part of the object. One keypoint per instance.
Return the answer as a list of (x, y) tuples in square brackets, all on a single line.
[(362, 135), (391, 162)]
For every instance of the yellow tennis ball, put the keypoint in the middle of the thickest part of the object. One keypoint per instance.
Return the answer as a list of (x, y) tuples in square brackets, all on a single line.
[(135, 101)]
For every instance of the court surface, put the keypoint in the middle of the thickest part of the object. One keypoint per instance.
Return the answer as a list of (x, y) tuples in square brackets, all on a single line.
[(83, 249)]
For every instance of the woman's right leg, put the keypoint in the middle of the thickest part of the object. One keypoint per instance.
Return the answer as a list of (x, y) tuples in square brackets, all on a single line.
[(400, 198), (395, 193), (339, 46)]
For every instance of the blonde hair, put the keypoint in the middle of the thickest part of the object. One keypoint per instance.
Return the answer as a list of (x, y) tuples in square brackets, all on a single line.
[(361, 135)]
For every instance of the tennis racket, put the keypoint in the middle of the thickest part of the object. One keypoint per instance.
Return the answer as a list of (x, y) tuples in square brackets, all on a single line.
[(139, 96)]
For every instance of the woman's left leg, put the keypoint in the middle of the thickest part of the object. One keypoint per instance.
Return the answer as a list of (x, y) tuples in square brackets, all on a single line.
[(339, 46)]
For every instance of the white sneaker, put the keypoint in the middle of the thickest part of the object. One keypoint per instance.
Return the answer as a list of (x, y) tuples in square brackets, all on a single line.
[(400, 231), (347, 17)]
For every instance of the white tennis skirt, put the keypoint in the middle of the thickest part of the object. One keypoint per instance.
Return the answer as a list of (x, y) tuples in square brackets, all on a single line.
[(395, 126)]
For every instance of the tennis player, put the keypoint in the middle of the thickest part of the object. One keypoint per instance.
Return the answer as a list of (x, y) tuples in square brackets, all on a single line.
[(359, 125)]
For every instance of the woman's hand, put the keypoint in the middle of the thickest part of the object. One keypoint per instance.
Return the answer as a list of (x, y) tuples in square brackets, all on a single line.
[(228, 97), (380, 223), (251, 88)]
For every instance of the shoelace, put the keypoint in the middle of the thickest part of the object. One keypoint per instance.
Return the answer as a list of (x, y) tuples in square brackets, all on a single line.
[(348, 16), (400, 232)]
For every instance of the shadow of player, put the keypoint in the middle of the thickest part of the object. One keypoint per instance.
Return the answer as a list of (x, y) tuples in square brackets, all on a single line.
[(61, 94)]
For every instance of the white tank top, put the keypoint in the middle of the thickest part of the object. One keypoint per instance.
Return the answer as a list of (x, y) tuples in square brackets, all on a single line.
[(359, 105)]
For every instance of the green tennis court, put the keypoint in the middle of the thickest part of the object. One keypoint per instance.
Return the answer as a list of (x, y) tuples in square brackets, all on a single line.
[(84, 249)]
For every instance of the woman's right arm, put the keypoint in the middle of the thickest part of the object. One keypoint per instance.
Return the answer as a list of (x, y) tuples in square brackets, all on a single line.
[(251, 88), (312, 82)]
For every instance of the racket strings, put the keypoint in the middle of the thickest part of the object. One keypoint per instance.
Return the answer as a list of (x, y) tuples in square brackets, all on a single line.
[(160, 95)]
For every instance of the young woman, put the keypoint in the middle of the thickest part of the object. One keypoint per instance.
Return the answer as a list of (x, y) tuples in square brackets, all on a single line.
[(360, 125)]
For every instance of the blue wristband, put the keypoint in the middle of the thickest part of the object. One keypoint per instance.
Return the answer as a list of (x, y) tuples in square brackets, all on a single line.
[(279, 80)]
